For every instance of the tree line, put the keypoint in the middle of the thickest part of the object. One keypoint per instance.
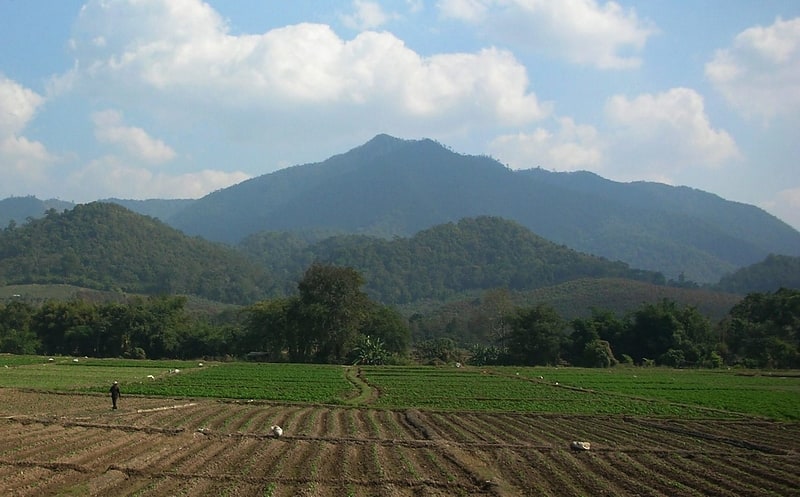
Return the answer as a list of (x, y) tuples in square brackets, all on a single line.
[(330, 319)]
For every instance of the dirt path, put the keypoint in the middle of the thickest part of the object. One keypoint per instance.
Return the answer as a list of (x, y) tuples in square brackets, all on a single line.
[(368, 394)]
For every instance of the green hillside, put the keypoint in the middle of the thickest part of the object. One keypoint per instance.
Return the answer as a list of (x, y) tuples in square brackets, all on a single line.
[(107, 247)]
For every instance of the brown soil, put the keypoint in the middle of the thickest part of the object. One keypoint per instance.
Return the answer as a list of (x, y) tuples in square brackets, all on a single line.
[(56, 444)]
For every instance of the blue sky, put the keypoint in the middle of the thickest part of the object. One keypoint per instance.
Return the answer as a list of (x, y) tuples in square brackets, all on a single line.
[(178, 98)]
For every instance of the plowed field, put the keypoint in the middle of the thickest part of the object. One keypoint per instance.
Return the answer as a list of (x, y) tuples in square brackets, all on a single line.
[(74, 444)]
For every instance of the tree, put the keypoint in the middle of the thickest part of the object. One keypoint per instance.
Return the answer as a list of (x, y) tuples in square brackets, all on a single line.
[(267, 326), (535, 336), (763, 330), (16, 336), (597, 354), (387, 325), (332, 307)]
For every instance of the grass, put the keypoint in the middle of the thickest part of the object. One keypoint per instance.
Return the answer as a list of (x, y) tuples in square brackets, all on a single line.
[(773, 394), (618, 391)]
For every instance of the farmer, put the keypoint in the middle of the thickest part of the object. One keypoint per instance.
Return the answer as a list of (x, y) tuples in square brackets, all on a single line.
[(114, 394)]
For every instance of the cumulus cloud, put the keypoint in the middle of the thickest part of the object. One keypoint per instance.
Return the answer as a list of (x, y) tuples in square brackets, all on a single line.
[(572, 147), (23, 159), (135, 141), (759, 74), (181, 54), (366, 15), (666, 132), (583, 31), (17, 106)]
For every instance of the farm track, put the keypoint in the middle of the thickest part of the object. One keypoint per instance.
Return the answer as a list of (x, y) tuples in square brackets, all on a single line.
[(165, 446)]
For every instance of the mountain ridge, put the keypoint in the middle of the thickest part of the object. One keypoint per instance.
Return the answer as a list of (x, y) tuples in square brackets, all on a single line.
[(393, 187)]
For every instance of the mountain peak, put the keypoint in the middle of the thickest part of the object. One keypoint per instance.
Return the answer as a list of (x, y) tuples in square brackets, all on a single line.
[(383, 144)]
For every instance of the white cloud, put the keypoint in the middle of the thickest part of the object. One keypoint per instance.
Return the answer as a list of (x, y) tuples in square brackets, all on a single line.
[(583, 31), (366, 15), (135, 141), (117, 178), (658, 135), (572, 147), (24, 160), (465, 10), (17, 106), (177, 56), (759, 74)]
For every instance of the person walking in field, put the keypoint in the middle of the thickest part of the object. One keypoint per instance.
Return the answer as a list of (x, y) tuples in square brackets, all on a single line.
[(114, 394)]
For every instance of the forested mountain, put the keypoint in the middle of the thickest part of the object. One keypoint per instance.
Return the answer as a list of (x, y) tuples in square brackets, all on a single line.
[(390, 187), (439, 263), (773, 273), (105, 246)]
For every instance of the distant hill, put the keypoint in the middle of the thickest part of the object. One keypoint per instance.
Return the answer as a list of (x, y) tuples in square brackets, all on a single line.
[(20, 209), (108, 248), (773, 273), (391, 187), (104, 246), (442, 262)]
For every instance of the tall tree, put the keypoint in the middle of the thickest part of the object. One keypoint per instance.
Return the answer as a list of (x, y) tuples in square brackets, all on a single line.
[(333, 308), (535, 336)]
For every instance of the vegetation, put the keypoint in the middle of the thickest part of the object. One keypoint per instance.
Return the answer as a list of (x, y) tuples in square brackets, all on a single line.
[(631, 391), (444, 261), (107, 247), (774, 272), (332, 320)]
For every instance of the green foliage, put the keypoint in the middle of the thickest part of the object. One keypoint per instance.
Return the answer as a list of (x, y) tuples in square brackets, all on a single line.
[(655, 329), (535, 336), (369, 351), (774, 272), (107, 247), (764, 330), (597, 354), (447, 260), (688, 393), (440, 350), (325, 322)]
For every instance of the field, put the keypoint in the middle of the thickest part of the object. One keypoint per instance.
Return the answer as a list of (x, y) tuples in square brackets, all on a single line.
[(397, 431)]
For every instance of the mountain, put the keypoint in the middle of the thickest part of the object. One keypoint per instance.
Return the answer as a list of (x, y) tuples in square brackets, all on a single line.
[(769, 275), (391, 187), (107, 247), (442, 262), (20, 209)]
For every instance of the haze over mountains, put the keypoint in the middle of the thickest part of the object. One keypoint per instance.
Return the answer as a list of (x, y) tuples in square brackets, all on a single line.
[(395, 188)]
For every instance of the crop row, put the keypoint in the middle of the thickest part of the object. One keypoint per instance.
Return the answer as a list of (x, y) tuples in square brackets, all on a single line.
[(770, 394), (482, 390), (220, 448), (630, 391)]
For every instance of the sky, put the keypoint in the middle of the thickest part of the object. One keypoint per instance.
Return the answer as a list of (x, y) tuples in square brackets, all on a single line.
[(141, 99)]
